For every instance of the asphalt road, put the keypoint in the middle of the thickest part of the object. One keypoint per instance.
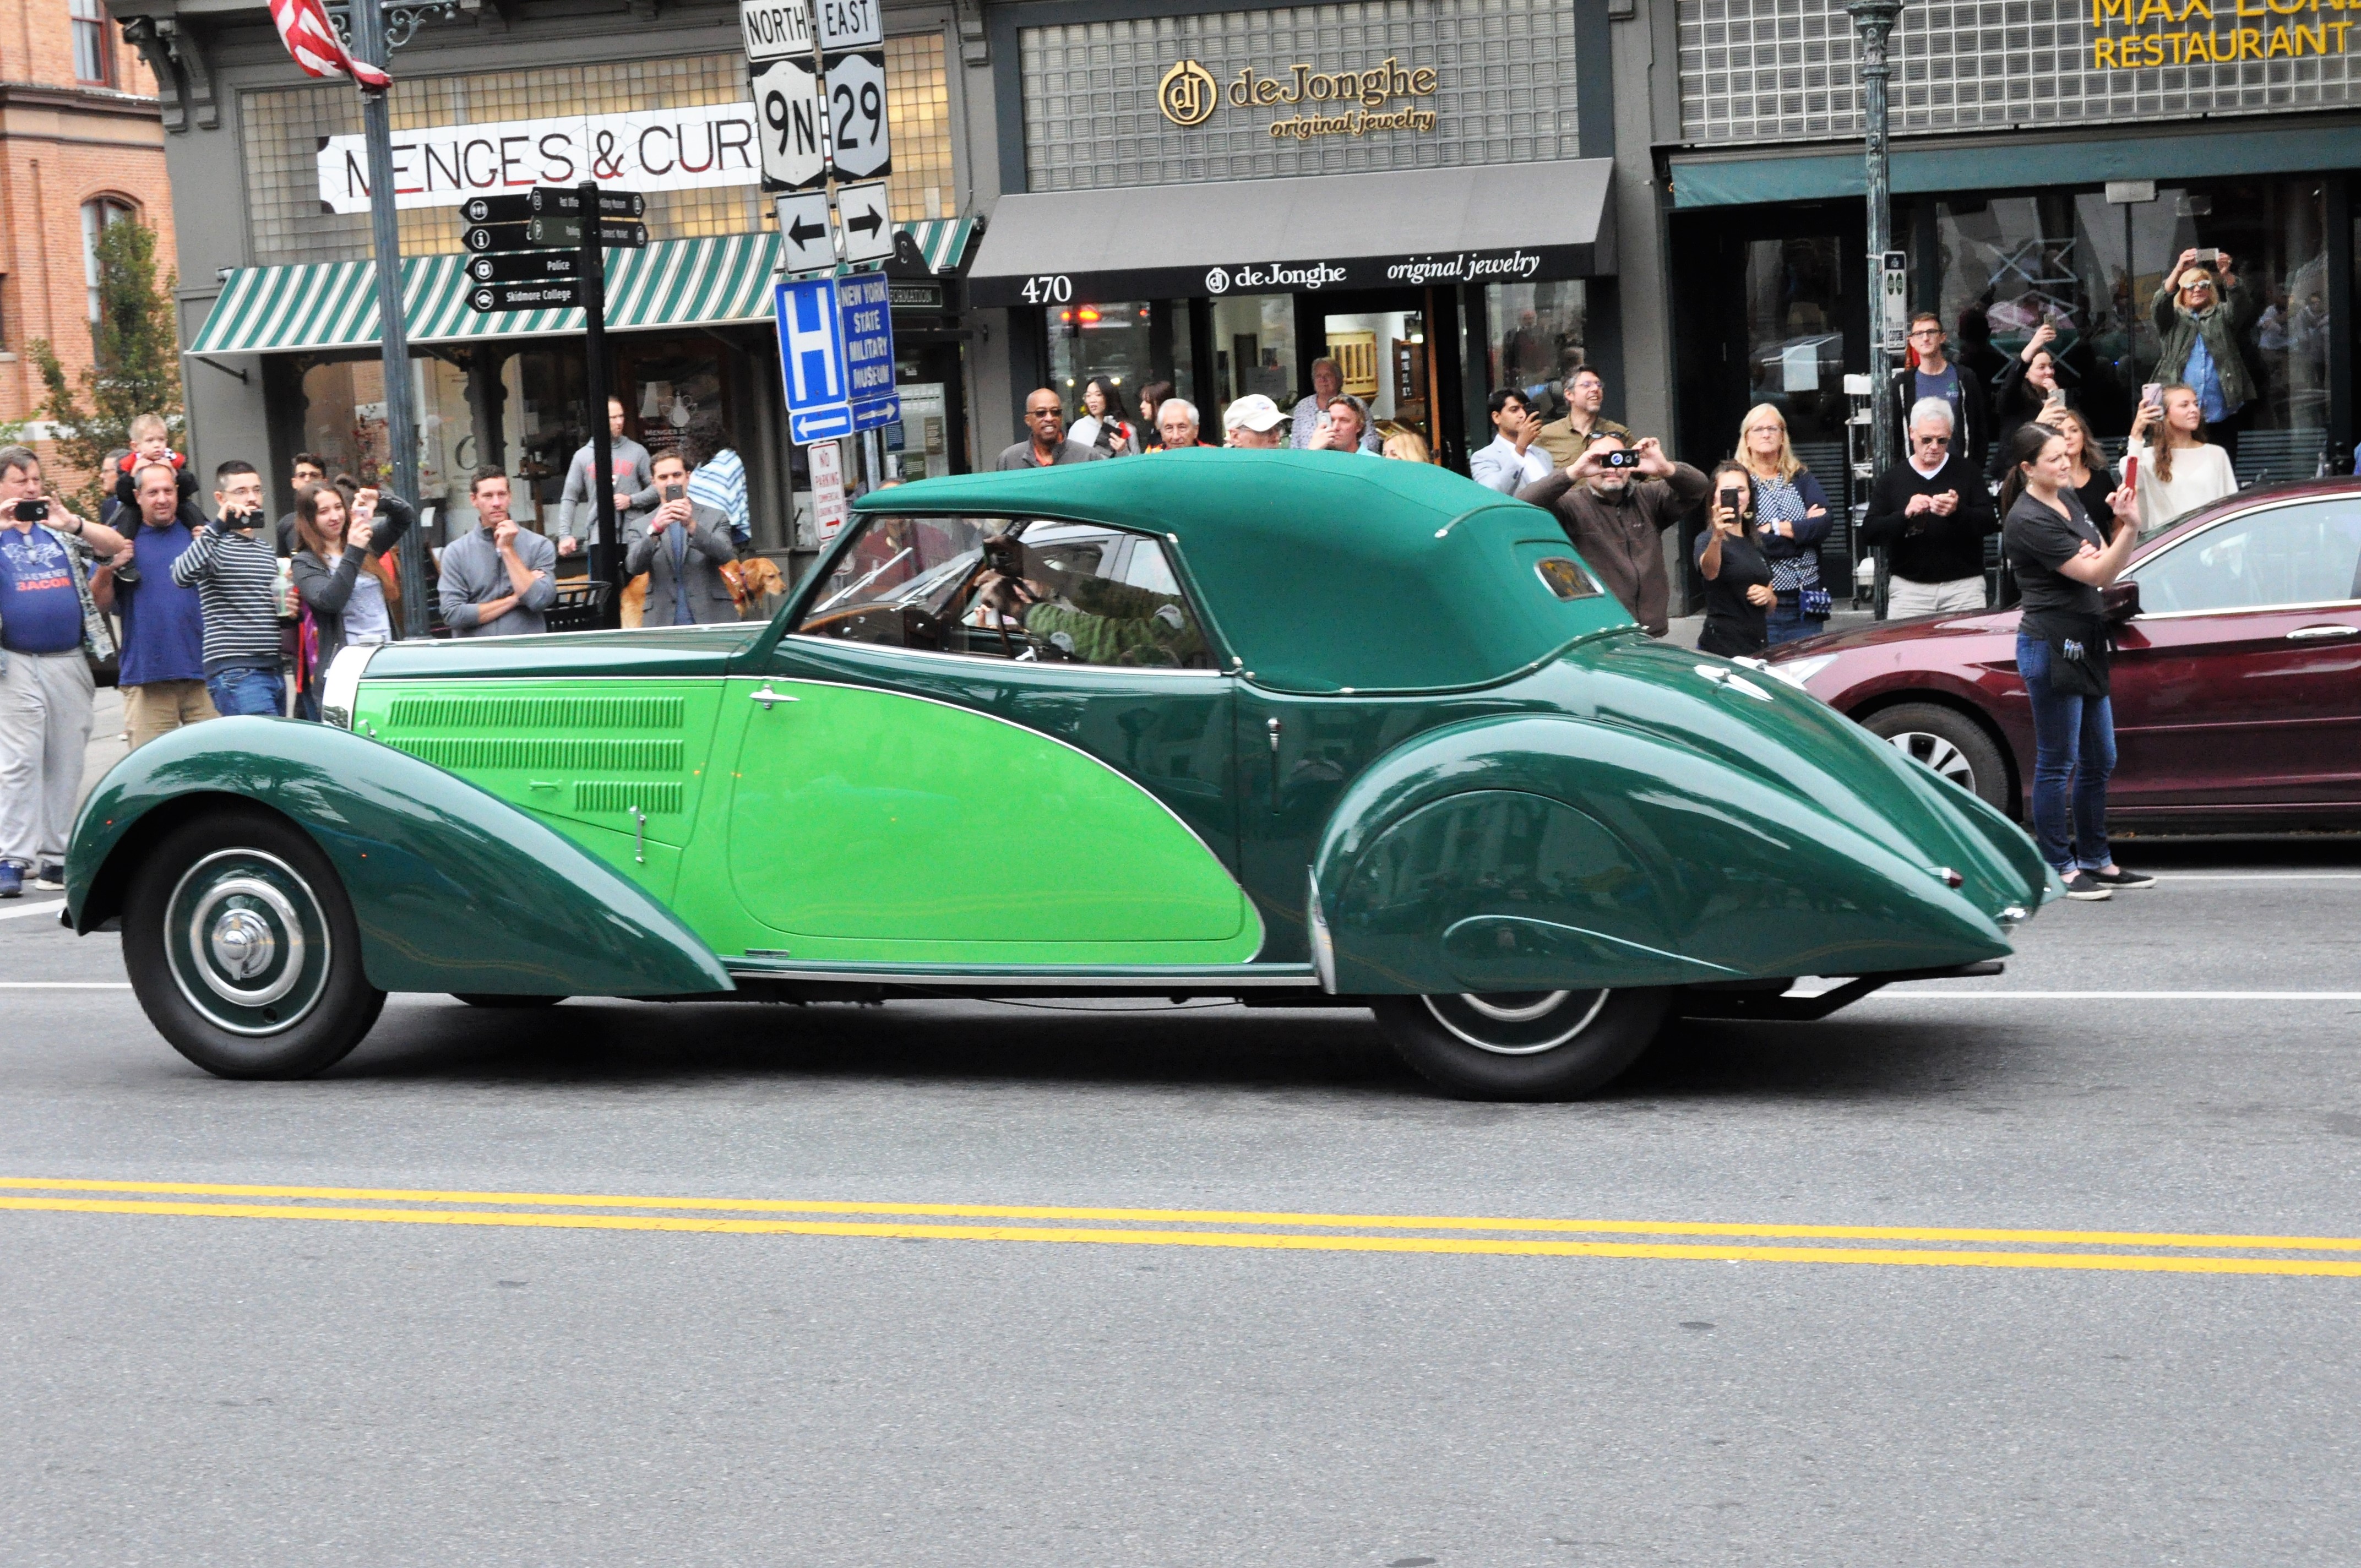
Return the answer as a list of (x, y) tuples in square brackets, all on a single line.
[(445, 1377)]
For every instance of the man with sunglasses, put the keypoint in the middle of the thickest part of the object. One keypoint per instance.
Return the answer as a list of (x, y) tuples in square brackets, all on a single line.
[(2201, 312), (1045, 444), (1931, 373), (1931, 514)]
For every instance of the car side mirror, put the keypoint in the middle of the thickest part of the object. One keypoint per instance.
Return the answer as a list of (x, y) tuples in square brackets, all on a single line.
[(2120, 601)]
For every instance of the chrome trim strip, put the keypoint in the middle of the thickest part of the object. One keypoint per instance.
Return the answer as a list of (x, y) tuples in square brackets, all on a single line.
[(340, 687), (993, 662), (1295, 977)]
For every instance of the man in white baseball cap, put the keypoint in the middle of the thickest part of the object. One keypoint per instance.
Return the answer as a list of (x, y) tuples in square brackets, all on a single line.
[(1254, 421)]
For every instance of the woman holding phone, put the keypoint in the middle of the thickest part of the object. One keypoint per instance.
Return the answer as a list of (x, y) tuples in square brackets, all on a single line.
[(1791, 518), (343, 577), (2178, 470), (1738, 592), (2028, 389), (1103, 424), (2062, 561)]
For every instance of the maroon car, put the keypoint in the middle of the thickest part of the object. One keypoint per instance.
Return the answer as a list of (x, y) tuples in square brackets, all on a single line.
[(2237, 686)]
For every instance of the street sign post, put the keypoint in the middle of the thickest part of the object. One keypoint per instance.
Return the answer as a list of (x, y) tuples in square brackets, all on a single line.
[(524, 266), (614, 234), (827, 489), (803, 234), (811, 359), (868, 226), (788, 115), (562, 294), (852, 61), (552, 201), (867, 314), (775, 29)]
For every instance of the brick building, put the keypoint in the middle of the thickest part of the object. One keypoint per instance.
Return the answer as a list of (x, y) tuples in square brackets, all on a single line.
[(81, 144)]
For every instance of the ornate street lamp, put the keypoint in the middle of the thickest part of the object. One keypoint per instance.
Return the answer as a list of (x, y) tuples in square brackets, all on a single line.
[(1873, 22)]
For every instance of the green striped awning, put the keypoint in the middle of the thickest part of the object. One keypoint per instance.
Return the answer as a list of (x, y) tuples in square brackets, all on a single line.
[(709, 281)]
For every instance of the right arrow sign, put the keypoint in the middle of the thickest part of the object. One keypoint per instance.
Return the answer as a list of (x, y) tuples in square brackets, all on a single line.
[(868, 225)]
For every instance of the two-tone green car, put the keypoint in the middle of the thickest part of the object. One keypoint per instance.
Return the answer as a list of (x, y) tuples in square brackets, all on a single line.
[(1297, 728)]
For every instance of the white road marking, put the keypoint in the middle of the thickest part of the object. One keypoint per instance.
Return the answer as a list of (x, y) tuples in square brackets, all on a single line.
[(1998, 995), (50, 909), (2164, 877), (65, 985)]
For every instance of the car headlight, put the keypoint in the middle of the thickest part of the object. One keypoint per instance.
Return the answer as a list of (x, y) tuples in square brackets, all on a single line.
[(1797, 672), (341, 686)]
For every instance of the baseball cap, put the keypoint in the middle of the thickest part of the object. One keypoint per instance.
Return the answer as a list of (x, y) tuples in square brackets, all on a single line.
[(1253, 412)]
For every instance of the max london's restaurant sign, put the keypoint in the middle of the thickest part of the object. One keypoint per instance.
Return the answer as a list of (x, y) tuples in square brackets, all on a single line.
[(1329, 103), (2134, 33)]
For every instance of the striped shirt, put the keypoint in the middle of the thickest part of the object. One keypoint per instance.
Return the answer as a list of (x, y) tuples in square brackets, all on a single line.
[(720, 483), (236, 579)]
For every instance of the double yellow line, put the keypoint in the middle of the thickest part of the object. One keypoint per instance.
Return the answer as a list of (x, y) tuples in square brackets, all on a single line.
[(2140, 1252)]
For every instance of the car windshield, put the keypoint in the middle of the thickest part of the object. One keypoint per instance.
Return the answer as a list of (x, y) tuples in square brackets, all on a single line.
[(1032, 589)]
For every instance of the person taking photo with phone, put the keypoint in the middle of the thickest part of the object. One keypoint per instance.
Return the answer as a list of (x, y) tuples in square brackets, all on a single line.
[(2028, 390), (343, 575), (1615, 502), (2174, 468), (1791, 518), (234, 566), (1931, 515), (2062, 561), (682, 546), (2201, 310), (1738, 592), (51, 629), (1513, 460)]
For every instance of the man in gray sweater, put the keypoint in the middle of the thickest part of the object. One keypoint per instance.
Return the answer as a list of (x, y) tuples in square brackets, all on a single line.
[(497, 578), (578, 509)]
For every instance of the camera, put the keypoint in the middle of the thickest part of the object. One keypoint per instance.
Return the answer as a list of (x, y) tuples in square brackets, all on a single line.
[(127, 574), (1625, 459), (32, 511)]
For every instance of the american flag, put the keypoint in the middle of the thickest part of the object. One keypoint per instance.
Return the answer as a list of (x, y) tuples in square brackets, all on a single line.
[(303, 28)]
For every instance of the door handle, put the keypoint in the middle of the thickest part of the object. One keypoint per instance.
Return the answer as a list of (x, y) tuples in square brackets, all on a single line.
[(2313, 633), (766, 697)]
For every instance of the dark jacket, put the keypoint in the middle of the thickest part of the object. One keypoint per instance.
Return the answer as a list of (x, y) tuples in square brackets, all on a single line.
[(2223, 326), (2015, 403), (325, 589), (1971, 437), (1618, 539), (708, 548), (1929, 548)]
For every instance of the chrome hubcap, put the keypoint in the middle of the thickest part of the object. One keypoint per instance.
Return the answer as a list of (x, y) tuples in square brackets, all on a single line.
[(1517, 1023), (246, 943), (1936, 753)]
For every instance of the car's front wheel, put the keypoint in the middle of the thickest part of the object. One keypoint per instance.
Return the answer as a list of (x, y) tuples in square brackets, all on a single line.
[(1947, 741), (242, 950), (1540, 1045)]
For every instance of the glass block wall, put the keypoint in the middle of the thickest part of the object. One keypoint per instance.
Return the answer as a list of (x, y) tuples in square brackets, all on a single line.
[(1504, 91), (1760, 71), (282, 129)]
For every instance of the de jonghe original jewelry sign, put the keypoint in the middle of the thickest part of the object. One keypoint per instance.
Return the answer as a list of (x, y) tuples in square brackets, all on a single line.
[(1305, 102)]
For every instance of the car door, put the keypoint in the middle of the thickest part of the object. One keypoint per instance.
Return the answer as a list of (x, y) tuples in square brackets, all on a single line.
[(920, 777), (2239, 683)]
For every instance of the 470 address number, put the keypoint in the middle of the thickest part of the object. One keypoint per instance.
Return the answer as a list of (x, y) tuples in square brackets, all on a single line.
[(1047, 288)]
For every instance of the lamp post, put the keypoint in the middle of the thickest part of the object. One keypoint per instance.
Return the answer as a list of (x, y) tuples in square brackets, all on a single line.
[(1873, 22)]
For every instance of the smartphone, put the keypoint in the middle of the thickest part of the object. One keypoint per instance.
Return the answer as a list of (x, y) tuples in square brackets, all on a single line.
[(675, 492), (2131, 473), (2152, 394), (32, 511), (1729, 500), (2209, 256)]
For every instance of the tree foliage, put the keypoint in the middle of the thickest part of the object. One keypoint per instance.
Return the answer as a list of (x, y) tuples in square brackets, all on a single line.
[(136, 361)]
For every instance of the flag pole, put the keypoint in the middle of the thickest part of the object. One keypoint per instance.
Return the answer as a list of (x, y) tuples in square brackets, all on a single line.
[(401, 409)]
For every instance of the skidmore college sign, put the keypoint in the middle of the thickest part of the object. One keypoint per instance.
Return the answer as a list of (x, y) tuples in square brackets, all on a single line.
[(1385, 97)]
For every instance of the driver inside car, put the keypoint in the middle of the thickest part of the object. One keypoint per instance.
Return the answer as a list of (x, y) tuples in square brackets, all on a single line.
[(1088, 619)]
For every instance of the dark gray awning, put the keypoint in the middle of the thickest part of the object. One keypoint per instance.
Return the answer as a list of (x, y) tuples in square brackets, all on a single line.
[(1505, 223)]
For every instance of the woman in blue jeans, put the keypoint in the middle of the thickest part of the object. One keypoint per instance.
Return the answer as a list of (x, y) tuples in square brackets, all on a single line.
[(2061, 561)]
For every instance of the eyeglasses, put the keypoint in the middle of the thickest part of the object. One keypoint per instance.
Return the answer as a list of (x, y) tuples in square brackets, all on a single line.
[(1926, 332), (1041, 413), (1932, 439)]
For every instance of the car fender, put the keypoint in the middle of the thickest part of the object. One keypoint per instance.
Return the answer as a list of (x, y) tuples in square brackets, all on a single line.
[(1536, 852), (454, 889)]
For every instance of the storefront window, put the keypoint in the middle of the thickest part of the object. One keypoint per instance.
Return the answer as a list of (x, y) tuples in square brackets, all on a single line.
[(1382, 356), (345, 422), (1253, 350), (1108, 339), (1795, 348), (1538, 333), (2010, 264), (543, 392)]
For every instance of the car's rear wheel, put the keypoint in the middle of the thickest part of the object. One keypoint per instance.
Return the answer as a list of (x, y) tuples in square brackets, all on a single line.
[(1947, 741), (1540, 1045), (243, 949)]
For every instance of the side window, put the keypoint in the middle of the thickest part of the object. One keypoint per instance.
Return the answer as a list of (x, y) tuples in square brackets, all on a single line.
[(1034, 590), (2308, 554)]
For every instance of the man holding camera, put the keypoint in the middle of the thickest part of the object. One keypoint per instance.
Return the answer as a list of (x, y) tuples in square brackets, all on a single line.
[(234, 566), (50, 629), (1615, 502), (163, 675), (497, 578), (682, 546)]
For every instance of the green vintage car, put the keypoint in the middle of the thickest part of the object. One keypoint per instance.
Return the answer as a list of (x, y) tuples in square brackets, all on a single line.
[(1298, 729)]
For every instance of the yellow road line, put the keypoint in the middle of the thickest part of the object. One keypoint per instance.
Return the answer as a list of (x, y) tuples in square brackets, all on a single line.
[(1203, 1216), (1264, 1241)]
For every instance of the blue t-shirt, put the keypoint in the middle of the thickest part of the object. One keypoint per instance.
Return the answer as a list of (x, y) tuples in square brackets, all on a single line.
[(39, 611), (1946, 387), (164, 623)]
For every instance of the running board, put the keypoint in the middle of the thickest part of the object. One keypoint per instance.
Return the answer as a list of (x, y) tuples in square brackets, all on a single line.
[(1746, 999), (1076, 979)]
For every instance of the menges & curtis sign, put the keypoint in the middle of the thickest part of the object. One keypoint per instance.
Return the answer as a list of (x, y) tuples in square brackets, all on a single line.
[(1333, 102)]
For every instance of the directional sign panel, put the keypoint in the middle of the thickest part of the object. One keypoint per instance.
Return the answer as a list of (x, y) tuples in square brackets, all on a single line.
[(856, 114), (564, 201), (615, 234), (868, 229), (803, 232), (851, 24), (488, 297), (524, 266), (775, 29), (811, 359), (482, 238), (868, 316), (789, 120)]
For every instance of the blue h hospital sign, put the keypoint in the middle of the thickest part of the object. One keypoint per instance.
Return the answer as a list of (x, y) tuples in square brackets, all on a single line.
[(835, 353)]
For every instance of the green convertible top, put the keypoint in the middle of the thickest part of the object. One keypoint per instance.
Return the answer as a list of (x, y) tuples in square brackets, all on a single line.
[(1323, 572)]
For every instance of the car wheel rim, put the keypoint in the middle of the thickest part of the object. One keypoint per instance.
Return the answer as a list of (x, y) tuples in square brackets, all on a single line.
[(1518, 1023), (1936, 753), (248, 942)]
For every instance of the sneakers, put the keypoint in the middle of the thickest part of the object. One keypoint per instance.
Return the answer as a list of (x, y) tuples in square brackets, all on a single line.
[(2122, 877), (12, 880), (52, 877), (2087, 887)]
